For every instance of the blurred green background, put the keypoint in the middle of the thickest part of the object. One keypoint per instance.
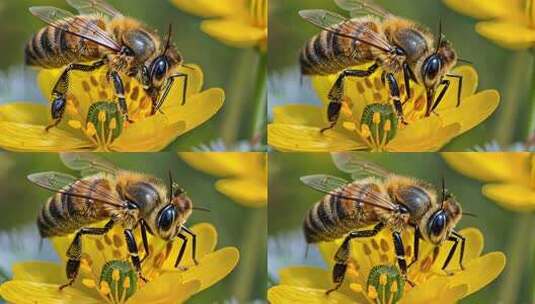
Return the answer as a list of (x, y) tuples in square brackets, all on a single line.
[(289, 197), (500, 69), (229, 68), (20, 202)]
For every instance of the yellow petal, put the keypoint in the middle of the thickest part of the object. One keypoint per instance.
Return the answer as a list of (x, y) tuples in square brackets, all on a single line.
[(435, 290), (197, 109), (286, 294), (303, 276), (297, 114), (509, 35), (220, 163), (322, 85), (490, 166), (512, 196), (234, 33), (480, 9), (46, 79), (213, 267), (309, 139), (150, 134), (41, 272), (480, 272), (423, 135), (167, 288), (25, 112), (250, 192), (26, 292), (209, 8), (28, 137), (473, 110)]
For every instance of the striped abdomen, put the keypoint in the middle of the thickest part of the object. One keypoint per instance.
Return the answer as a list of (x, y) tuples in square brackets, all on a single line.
[(333, 217), (52, 47), (64, 214), (328, 53)]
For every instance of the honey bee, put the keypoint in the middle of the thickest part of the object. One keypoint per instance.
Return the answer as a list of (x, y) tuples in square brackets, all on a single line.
[(129, 199), (101, 36), (397, 45), (385, 200)]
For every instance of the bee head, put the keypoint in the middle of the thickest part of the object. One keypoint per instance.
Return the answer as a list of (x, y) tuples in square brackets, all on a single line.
[(173, 215), (438, 224)]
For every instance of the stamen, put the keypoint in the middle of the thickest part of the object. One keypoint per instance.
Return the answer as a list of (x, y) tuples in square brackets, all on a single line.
[(90, 129), (75, 124), (376, 118), (90, 283)]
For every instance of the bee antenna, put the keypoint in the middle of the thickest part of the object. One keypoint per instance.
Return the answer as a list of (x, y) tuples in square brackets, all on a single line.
[(465, 61), (201, 209), (439, 35), (469, 214), (188, 67), (444, 194), (171, 183), (168, 42)]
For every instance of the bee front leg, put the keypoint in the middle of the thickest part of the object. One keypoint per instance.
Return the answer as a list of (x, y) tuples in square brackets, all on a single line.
[(182, 249), (446, 85), (400, 255), (167, 89), (119, 93), (336, 94), (59, 92), (342, 255), (134, 255), (193, 244), (455, 238), (74, 253), (145, 240), (416, 245)]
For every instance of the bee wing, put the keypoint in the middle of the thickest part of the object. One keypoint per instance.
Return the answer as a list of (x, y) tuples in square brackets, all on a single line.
[(89, 7), (362, 7), (331, 184), (88, 163), (352, 163), (62, 183), (81, 27), (331, 22)]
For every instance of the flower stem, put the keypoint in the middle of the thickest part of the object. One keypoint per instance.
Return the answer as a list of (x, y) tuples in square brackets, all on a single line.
[(260, 99), (252, 249), (531, 118), (512, 280)]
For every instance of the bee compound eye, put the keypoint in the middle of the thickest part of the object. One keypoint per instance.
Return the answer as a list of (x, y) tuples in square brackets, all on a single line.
[(159, 68), (431, 68), (437, 225), (166, 218)]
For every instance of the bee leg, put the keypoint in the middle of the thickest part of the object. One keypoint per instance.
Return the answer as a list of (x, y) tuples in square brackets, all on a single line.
[(416, 246), (59, 100), (193, 244), (145, 241), (459, 89), (394, 93), (134, 255), (407, 79), (74, 253), (342, 255), (455, 238), (182, 249), (119, 93), (400, 254), (446, 85), (336, 94), (167, 89)]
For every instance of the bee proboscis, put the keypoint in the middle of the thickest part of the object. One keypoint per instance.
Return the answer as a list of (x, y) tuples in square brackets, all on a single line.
[(120, 197), (377, 37), (101, 36), (386, 201)]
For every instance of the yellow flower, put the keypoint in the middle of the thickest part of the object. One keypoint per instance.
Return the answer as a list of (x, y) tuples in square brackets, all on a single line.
[(113, 282), (244, 174), (510, 177), (92, 122), (301, 284), (368, 122), (511, 22), (238, 23)]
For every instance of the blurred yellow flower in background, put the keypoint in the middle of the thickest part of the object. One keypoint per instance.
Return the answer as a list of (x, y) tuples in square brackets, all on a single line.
[(509, 177), (368, 122), (106, 274), (92, 122), (244, 174), (511, 22), (238, 23), (375, 257)]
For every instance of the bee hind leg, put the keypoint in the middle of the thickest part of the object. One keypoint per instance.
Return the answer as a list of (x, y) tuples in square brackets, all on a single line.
[(342, 255), (59, 100), (336, 93), (74, 253)]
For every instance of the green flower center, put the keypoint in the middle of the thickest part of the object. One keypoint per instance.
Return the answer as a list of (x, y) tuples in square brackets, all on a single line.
[(120, 279), (385, 284), (378, 124)]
